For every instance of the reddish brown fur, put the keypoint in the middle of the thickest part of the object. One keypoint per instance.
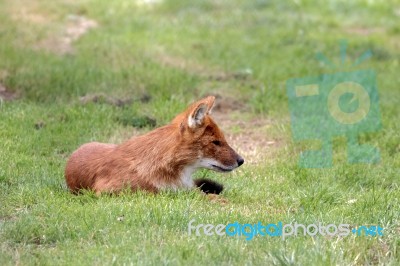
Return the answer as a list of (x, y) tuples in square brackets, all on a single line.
[(152, 161)]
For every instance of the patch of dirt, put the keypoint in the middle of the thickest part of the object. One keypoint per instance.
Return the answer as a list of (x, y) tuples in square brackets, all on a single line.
[(120, 102), (75, 28), (8, 218), (6, 94), (40, 124), (248, 137), (376, 252), (137, 121), (217, 199), (58, 36), (226, 104), (252, 141), (27, 11), (103, 98)]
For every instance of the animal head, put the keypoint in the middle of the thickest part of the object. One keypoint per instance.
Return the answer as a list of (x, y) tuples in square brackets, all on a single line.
[(202, 137)]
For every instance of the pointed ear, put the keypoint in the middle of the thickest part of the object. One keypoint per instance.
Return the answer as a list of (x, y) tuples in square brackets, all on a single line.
[(210, 101), (199, 110), (196, 117)]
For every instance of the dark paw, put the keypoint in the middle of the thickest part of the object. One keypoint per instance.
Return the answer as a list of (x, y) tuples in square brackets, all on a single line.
[(209, 186)]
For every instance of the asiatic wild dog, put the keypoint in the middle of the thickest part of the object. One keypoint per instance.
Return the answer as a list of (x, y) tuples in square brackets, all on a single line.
[(164, 158)]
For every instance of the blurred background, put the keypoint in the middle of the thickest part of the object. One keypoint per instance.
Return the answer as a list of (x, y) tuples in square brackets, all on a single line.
[(63, 50)]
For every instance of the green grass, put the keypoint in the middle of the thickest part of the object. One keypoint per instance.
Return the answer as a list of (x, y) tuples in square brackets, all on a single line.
[(138, 52)]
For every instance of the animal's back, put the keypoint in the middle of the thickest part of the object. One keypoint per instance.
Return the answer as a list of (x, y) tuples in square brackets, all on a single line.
[(81, 166)]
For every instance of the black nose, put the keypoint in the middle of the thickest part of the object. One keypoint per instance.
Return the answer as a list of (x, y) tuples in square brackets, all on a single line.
[(240, 161)]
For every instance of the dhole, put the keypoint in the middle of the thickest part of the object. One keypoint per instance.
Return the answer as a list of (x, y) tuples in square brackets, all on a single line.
[(164, 158)]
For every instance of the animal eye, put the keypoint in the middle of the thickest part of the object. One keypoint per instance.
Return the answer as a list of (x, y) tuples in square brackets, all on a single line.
[(217, 142)]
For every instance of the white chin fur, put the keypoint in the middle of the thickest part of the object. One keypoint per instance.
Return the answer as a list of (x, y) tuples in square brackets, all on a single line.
[(215, 165), (186, 181)]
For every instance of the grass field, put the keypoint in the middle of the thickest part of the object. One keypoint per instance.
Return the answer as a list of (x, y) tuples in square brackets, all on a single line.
[(77, 71)]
